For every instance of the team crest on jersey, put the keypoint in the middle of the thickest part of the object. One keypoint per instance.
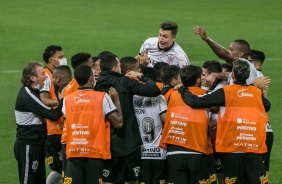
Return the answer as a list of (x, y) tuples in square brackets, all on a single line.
[(231, 180), (49, 160), (35, 165), (106, 173), (67, 180), (136, 170)]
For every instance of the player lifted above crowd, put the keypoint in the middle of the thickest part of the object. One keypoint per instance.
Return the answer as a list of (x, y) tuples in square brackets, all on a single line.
[(163, 48)]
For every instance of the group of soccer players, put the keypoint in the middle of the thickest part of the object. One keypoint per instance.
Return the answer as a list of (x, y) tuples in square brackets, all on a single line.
[(146, 121)]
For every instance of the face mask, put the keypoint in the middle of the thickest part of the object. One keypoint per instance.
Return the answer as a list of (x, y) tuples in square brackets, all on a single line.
[(63, 61)]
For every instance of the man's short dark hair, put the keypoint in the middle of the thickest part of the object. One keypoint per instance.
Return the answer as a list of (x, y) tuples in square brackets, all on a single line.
[(228, 67), (168, 73), (241, 70), (50, 51), (108, 62), (79, 58), (82, 74), (190, 74), (244, 47), (104, 54), (212, 66), (64, 70), (126, 63), (150, 72), (29, 71), (169, 26), (94, 58), (257, 56)]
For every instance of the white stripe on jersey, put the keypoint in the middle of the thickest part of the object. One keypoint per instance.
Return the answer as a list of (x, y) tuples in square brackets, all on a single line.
[(26, 165), (28, 118), (182, 152), (36, 99)]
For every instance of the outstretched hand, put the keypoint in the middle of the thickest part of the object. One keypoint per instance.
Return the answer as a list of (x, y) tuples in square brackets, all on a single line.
[(201, 32), (262, 83), (143, 59), (209, 81)]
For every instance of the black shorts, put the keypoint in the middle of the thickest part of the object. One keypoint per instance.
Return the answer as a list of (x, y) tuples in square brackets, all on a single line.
[(64, 159), (84, 170), (218, 162), (152, 171), (211, 168), (53, 152), (243, 168), (124, 168), (269, 143), (31, 163), (188, 168)]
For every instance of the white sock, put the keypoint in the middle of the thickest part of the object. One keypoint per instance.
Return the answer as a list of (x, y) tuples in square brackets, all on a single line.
[(54, 178)]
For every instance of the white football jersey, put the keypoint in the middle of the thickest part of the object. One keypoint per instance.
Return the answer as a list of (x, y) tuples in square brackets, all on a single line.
[(148, 111), (252, 77), (174, 56)]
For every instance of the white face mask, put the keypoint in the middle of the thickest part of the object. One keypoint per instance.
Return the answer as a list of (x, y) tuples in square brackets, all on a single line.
[(63, 61)]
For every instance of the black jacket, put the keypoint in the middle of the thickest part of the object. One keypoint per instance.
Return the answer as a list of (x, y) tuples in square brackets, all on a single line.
[(127, 139), (30, 113)]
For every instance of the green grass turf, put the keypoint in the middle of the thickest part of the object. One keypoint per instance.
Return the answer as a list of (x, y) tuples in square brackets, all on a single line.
[(27, 27)]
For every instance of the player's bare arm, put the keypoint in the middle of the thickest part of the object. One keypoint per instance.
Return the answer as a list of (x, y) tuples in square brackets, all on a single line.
[(45, 98), (116, 117), (220, 51), (134, 74)]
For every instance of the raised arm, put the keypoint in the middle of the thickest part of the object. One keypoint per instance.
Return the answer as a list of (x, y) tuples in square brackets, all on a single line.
[(220, 51)]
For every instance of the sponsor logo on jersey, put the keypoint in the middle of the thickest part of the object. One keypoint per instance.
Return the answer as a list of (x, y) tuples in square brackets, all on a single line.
[(80, 133), (241, 93), (246, 128), (81, 99)]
